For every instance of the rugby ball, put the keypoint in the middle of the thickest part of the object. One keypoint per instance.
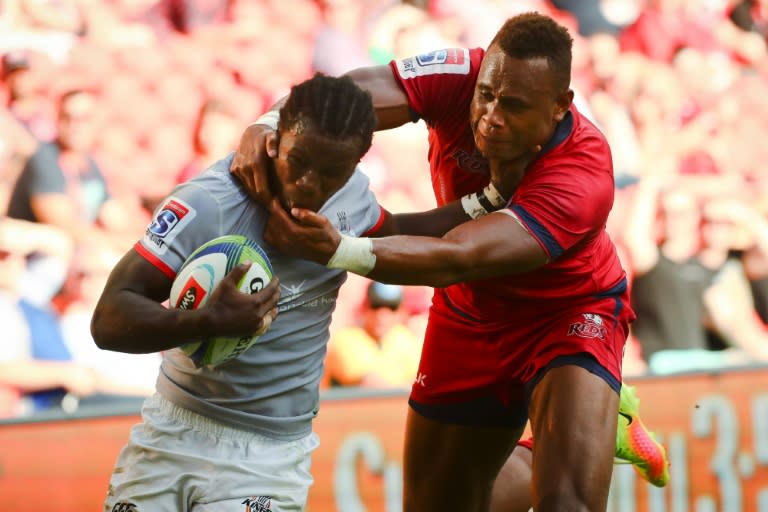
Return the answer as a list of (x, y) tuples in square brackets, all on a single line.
[(199, 276)]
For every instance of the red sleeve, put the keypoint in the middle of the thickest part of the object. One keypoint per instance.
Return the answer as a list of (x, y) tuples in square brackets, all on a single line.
[(433, 81), (154, 260), (379, 223), (526, 443), (569, 197)]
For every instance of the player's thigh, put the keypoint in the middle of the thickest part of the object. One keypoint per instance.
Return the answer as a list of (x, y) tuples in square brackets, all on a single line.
[(573, 419), (450, 466), (512, 488)]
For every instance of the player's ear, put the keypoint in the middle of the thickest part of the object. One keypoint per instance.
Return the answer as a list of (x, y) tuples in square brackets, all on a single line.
[(272, 143), (563, 102)]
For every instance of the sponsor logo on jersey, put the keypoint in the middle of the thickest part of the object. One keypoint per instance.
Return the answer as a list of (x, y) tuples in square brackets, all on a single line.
[(293, 290), (450, 60), (171, 214), (343, 222), (167, 223), (258, 504), (191, 295), (591, 327), (474, 162), (449, 56)]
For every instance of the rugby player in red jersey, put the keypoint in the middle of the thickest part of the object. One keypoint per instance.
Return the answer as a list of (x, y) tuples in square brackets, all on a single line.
[(530, 312)]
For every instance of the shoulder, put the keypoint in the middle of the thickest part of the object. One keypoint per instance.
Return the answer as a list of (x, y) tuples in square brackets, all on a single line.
[(588, 136), (577, 142), (217, 182)]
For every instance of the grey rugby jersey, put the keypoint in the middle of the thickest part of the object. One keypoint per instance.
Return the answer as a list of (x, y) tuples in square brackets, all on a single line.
[(273, 387)]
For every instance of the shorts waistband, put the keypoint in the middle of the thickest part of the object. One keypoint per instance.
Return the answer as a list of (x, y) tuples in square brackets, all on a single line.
[(204, 423)]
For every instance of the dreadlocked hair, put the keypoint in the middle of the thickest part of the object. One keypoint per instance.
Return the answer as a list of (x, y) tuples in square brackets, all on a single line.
[(532, 35), (334, 106)]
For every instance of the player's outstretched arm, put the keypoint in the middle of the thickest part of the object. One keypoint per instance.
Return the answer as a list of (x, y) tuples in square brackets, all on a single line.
[(252, 157), (309, 235), (130, 317), (492, 245)]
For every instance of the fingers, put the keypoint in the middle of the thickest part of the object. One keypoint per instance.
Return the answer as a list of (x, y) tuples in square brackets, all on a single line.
[(276, 209), (271, 292), (257, 145), (308, 217), (266, 322), (237, 273)]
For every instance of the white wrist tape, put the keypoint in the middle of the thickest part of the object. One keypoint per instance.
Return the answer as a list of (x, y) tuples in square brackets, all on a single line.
[(270, 119), (493, 195), (482, 203), (472, 206), (354, 254)]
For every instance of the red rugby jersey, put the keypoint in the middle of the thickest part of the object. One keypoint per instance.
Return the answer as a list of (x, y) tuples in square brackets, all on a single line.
[(563, 200)]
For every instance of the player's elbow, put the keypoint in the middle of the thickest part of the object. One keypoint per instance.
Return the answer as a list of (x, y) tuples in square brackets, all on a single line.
[(103, 330), (98, 330)]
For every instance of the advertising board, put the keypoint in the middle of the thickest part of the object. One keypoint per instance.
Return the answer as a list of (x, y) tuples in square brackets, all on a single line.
[(715, 427)]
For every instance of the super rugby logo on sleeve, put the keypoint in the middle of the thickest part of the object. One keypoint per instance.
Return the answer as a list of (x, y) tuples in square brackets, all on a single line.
[(451, 60), (169, 221)]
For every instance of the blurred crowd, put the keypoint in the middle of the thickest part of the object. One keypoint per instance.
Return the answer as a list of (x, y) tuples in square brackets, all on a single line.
[(106, 104)]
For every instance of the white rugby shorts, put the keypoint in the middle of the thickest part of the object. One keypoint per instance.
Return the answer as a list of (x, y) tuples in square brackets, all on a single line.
[(179, 461)]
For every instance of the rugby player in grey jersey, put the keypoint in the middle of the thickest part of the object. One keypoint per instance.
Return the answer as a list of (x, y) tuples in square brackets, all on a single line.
[(240, 433)]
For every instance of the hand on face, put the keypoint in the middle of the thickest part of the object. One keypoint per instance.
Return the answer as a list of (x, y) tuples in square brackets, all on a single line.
[(507, 174), (258, 145), (306, 235), (235, 313)]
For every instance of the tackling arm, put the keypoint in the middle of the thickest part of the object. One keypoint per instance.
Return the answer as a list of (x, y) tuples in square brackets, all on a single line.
[(493, 245), (389, 100)]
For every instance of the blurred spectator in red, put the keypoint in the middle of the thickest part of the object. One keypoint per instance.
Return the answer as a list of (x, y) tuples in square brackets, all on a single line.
[(25, 100), (17, 120), (340, 43), (188, 15), (665, 26), (382, 351), (216, 132)]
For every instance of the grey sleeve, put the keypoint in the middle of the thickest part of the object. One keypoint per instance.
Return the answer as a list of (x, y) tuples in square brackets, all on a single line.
[(184, 221), (358, 211)]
